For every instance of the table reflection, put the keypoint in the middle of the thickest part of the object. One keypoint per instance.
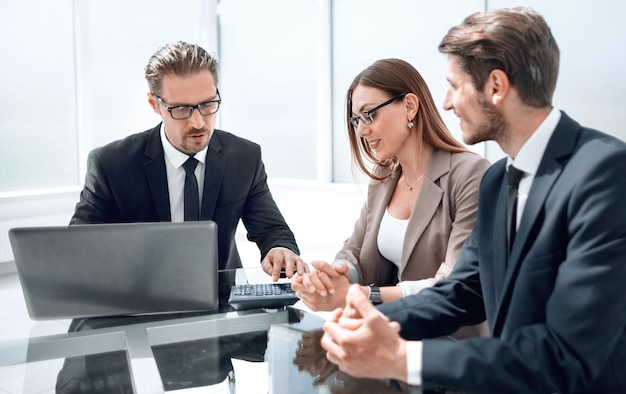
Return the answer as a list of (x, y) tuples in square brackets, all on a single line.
[(310, 358), (181, 365)]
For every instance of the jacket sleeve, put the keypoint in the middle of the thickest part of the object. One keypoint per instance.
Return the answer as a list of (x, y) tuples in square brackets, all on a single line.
[(265, 223), (96, 203)]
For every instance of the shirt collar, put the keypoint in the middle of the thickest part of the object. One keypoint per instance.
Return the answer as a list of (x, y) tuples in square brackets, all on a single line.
[(176, 157), (530, 155)]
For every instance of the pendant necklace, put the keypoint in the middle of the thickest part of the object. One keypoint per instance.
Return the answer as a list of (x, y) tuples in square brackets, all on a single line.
[(416, 182)]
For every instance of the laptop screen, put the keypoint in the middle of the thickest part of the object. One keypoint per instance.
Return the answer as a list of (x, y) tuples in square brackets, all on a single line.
[(116, 269)]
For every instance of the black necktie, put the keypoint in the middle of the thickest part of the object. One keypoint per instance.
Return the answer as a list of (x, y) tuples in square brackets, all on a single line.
[(514, 176), (192, 200)]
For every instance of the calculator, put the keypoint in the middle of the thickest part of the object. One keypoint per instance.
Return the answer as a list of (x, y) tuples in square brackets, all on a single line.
[(265, 295)]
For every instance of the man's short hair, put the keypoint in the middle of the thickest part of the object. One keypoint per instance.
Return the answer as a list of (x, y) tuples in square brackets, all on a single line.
[(180, 59), (517, 41)]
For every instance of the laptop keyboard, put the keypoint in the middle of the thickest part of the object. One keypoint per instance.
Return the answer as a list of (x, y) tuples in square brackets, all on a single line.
[(267, 295)]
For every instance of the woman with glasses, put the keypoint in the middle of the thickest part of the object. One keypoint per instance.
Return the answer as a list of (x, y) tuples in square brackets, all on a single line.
[(422, 198)]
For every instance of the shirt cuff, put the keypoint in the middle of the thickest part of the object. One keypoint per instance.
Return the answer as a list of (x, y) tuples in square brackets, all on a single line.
[(414, 362), (281, 247), (410, 287)]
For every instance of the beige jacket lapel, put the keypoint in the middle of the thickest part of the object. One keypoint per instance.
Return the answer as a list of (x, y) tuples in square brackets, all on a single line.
[(426, 203)]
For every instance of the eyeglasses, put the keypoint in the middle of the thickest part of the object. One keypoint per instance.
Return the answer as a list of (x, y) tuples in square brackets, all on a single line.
[(181, 112), (366, 116)]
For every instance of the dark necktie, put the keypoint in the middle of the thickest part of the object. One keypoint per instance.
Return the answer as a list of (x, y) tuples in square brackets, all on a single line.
[(514, 176), (192, 200)]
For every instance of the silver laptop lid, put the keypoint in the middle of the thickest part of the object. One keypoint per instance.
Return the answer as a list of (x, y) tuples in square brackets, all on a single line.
[(116, 269)]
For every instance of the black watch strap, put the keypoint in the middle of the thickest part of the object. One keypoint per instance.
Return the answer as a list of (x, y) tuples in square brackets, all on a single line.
[(375, 297)]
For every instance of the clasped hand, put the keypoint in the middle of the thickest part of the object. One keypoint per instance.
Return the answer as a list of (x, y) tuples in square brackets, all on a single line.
[(325, 288), (364, 343)]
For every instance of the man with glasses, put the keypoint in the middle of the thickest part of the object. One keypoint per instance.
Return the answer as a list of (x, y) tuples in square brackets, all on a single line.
[(142, 178)]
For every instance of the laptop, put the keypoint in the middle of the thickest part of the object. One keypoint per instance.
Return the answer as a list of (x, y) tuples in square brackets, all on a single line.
[(95, 270)]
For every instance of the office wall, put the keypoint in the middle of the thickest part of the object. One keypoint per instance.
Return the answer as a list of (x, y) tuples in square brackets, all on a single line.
[(72, 79), (591, 76), (268, 80)]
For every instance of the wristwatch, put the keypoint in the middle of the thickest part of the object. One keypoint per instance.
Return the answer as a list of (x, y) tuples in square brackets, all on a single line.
[(375, 297)]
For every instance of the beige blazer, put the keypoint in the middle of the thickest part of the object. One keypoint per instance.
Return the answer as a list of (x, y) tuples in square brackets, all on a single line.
[(444, 214)]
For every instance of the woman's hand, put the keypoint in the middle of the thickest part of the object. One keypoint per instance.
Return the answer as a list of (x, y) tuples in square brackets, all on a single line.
[(325, 288)]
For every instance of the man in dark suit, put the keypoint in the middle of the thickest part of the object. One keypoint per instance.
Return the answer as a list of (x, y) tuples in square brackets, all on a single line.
[(141, 178), (556, 302)]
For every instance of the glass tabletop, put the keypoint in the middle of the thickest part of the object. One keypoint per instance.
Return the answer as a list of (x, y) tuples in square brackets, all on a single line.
[(249, 351)]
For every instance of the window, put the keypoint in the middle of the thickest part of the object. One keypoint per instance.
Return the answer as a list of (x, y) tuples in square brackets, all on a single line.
[(268, 59), (38, 96)]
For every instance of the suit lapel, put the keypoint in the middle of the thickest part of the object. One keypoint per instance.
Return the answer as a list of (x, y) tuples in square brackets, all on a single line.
[(561, 145), (426, 203), (156, 174), (547, 174), (213, 175)]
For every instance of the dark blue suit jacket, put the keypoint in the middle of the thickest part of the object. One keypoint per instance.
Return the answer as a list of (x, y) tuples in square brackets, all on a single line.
[(557, 308), (126, 182)]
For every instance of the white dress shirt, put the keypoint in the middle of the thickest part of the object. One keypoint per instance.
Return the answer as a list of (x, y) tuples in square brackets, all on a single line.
[(174, 160), (528, 160), (529, 157)]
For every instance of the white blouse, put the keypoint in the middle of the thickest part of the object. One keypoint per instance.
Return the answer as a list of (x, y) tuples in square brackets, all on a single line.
[(390, 243), (391, 237)]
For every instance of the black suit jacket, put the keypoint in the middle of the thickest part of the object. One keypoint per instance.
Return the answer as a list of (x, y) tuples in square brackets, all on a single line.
[(126, 182), (557, 308)]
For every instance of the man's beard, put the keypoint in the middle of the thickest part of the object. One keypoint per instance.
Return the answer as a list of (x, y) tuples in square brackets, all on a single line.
[(192, 149), (494, 127)]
